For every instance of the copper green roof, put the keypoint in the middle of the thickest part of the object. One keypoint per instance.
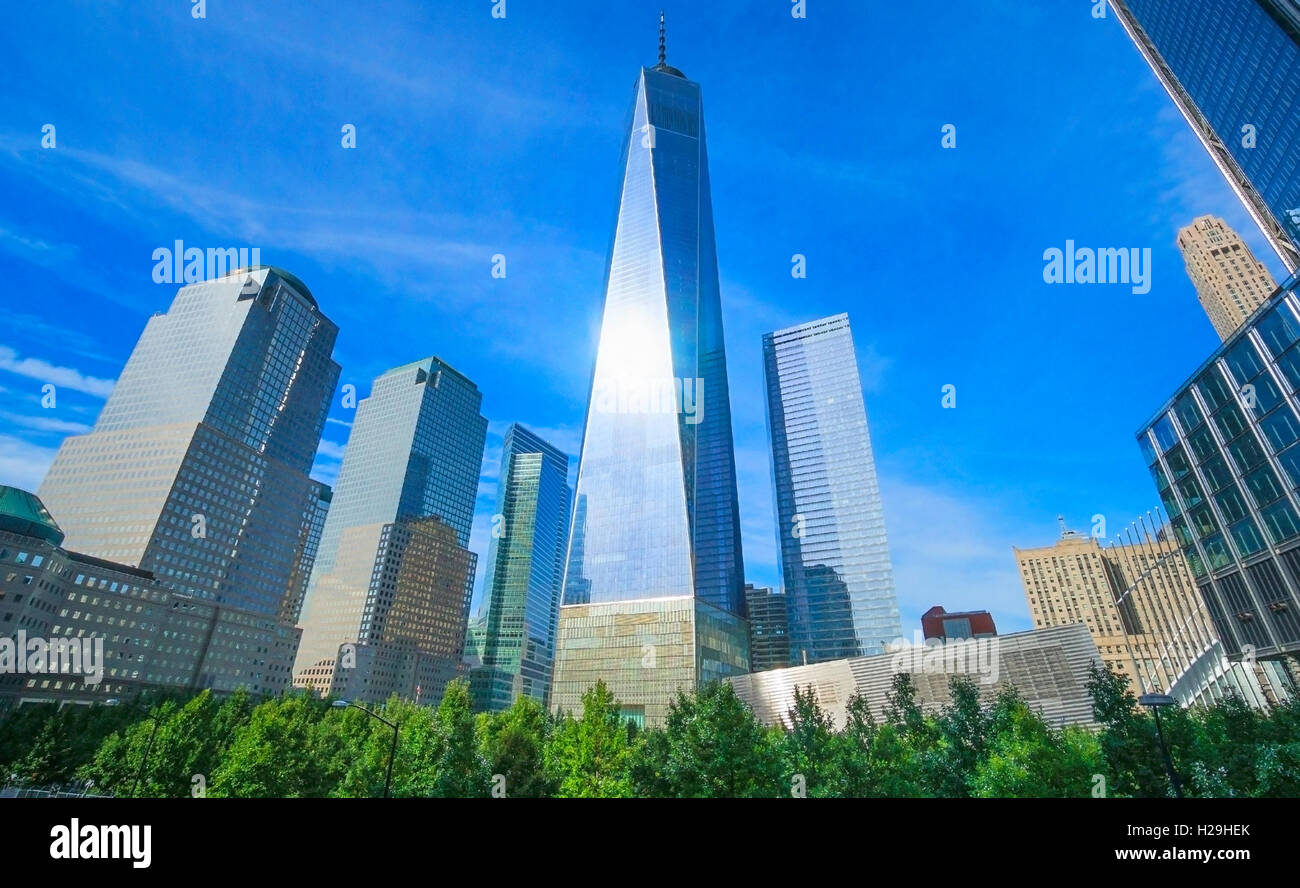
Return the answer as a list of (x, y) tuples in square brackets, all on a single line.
[(22, 513)]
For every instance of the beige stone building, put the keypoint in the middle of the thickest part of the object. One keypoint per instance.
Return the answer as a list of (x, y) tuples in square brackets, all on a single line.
[(1230, 282), (1138, 601)]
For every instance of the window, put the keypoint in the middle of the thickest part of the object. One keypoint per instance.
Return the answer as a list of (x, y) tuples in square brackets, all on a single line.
[(1216, 551), (1246, 453), (1246, 536), (1261, 394), (1263, 487), (1213, 389), (1217, 474), (1290, 460), (1201, 443), (1189, 415), (1191, 492), (1281, 428), (1230, 422), (1281, 521), (1231, 505), (1243, 361), (1166, 437), (1148, 450), (1278, 329), (1203, 521), (1178, 463)]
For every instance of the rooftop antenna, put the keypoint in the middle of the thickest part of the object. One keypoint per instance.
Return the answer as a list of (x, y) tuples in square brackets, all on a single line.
[(1061, 520), (663, 52)]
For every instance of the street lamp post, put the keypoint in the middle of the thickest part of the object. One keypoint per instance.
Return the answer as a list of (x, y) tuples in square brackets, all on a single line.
[(1156, 701), (144, 759), (392, 750)]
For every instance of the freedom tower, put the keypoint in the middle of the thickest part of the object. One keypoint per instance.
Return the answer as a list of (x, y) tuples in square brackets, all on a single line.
[(653, 597)]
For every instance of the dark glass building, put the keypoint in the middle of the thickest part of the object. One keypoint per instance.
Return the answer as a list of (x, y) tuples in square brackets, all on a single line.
[(1233, 69), (769, 628), (1224, 453)]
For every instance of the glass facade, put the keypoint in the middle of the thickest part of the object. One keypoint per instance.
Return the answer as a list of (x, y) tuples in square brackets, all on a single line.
[(197, 467), (525, 571), (656, 529), (1231, 65), (769, 628), (386, 607), (839, 581), (658, 515), (1224, 454)]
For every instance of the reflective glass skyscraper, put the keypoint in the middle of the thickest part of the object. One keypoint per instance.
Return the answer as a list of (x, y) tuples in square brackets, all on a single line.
[(1224, 453), (387, 604), (1233, 68), (655, 573), (839, 583), (530, 532), (197, 467)]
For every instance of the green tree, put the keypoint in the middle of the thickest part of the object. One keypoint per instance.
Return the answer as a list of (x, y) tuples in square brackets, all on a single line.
[(716, 748), (514, 744), (1134, 766), (461, 770), (876, 761), (281, 752), (1027, 759), (591, 756), (811, 749), (961, 742)]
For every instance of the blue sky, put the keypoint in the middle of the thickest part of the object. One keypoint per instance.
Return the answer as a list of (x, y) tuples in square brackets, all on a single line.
[(478, 136)]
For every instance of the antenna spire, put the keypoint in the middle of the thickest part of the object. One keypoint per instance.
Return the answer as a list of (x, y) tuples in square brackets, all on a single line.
[(663, 52)]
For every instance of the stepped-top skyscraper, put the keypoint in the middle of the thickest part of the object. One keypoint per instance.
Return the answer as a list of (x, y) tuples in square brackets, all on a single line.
[(197, 468), (525, 572), (387, 604), (1230, 282), (1233, 69), (839, 581), (654, 588)]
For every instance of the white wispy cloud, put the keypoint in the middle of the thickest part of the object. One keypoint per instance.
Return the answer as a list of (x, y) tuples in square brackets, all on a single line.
[(44, 371), (330, 450), (46, 423), (23, 464), (954, 550)]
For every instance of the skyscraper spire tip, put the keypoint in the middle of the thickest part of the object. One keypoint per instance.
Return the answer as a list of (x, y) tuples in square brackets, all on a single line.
[(663, 51)]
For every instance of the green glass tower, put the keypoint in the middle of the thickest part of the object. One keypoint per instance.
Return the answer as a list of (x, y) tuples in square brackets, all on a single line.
[(524, 573)]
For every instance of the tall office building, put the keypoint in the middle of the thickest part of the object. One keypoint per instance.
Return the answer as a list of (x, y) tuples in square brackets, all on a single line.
[(309, 533), (1230, 282), (1138, 600), (654, 586), (839, 582), (197, 468), (1224, 453), (386, 608), (1233, 69), (769, 628), (525, 572)]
